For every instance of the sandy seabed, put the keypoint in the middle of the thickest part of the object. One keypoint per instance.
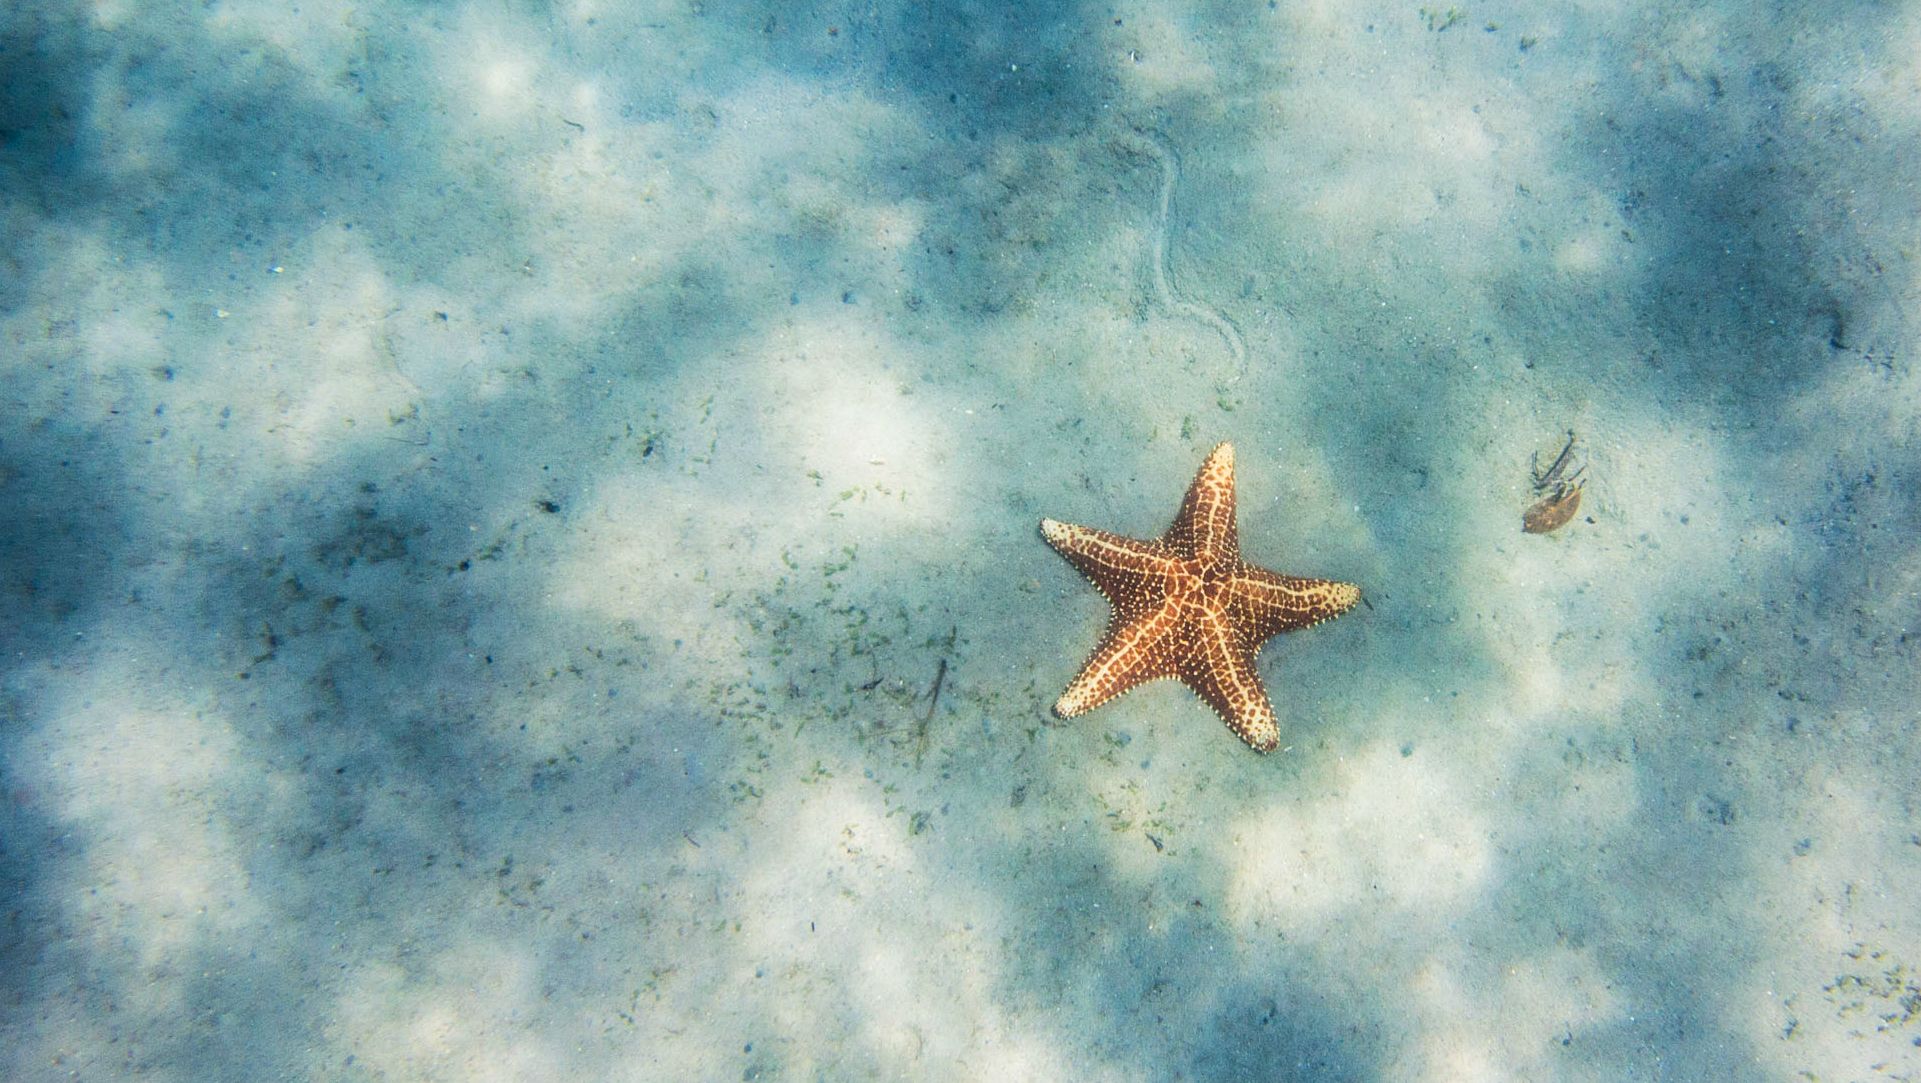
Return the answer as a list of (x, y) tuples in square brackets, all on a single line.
[(519, 555)]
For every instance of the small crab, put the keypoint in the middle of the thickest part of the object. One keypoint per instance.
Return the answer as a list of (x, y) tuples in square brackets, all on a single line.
[(1557, 492)]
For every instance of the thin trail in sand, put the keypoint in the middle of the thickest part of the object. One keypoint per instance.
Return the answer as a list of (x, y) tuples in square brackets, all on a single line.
[(1170, 296)]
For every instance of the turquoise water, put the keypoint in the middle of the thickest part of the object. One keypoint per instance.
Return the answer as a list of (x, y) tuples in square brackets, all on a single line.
[(521, 554)]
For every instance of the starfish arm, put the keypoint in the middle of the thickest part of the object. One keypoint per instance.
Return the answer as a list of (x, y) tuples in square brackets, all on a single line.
[(1220, 669), (1130, 572), (1264, 604), (1134, 652), (1205, 526)]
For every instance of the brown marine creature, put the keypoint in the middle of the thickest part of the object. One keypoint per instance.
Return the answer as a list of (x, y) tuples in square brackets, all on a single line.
[(1187, 606), (1557, 492)]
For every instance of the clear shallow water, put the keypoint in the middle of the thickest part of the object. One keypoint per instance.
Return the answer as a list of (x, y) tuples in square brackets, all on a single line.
[(493, 492)]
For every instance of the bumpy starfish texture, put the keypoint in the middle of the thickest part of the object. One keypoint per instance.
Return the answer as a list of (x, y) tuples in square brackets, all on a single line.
[(1187, 606)]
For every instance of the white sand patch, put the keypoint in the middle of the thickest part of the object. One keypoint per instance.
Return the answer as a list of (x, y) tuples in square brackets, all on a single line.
[(778, 157), (110, 14), (834, 400), (120, 340), (1599, 248), (1511, 1025), (1565, 988), (495, 66), (1891, 82), (449, 344), (1399, 832), (1135, 373), (840, 897), (1535, 615), (827, 447), (93, 319), (1885, 400), (462, 1013), (1284, 486), (315, 344), (1840, 991), (1411, 158), (322, 38), (609, 203), (646, 549), (131, 132), (1158, 50), (145, 786)]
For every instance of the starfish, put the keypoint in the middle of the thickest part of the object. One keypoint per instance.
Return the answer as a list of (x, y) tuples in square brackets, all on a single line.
[(1187, 606)]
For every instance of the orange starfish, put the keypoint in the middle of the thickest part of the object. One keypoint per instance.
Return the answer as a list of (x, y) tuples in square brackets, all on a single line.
[(1188, 606)]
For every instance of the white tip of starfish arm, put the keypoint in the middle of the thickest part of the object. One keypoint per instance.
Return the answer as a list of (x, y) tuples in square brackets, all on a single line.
[(1258, 728), (1060, 535), (1343, 596), (1075, 700)]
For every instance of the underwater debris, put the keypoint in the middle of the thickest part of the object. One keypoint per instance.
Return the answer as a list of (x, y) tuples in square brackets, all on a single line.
[(1557, 492)]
